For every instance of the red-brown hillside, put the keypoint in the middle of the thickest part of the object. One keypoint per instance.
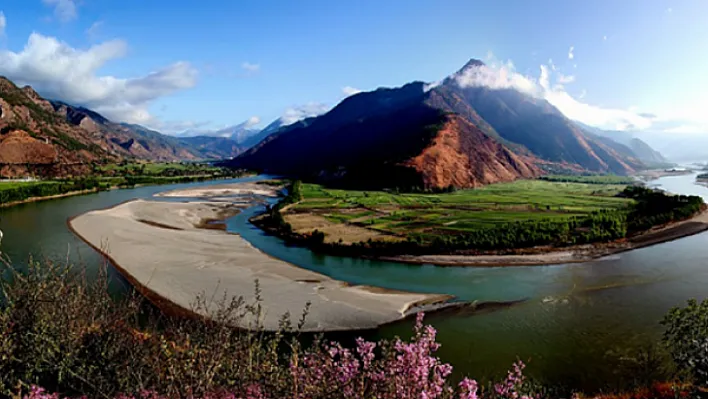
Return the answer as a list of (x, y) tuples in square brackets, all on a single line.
[(461, 155)]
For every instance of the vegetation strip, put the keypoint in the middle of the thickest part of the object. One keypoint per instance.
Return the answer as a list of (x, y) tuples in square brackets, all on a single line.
[(108, 177), (487, 221)]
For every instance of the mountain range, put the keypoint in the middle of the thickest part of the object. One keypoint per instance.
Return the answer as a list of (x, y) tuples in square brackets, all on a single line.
[(435, 136), (52, 138), (419, 135)]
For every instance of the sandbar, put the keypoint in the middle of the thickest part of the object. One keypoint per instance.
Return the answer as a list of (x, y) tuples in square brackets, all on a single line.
[(159, 247)]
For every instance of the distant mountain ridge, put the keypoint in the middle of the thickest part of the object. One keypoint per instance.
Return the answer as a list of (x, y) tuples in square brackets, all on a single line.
[(136, 141), (422, 136), (638, 147)]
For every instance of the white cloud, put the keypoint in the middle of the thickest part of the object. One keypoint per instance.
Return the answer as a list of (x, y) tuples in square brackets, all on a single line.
[(429, 86), (350, 91), (251, 68), (604, 37), (294, 114), (65, 10), (93, 31), (669, 10), (495, 76), (565, 79), (570, 53), (252, 121), (550, 86), (59, 71), (3, 24)]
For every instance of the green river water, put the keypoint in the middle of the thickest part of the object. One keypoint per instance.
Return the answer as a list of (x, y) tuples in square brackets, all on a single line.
[(577, 324)]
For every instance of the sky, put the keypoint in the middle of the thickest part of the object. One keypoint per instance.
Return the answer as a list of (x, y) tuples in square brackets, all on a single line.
[(177, 65)]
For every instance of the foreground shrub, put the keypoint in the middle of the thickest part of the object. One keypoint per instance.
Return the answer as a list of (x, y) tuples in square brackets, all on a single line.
[(60, 333), (686, 337)]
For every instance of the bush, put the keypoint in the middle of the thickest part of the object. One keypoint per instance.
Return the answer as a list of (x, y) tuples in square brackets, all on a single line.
[(686, 337), (66, 335)]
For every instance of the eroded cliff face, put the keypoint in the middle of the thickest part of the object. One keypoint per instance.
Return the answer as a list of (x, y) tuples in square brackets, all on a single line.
[(461, 155)]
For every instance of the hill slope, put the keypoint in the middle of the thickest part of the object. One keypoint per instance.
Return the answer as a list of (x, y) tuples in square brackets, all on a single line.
[(387, 138), (35, 140), (409, 134)]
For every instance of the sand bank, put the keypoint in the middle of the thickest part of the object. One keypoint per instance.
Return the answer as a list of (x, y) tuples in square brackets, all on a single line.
[(159, 248), (573, 254), (224, 190)]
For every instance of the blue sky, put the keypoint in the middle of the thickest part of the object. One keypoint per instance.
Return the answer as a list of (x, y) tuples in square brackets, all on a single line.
[(183, 64)]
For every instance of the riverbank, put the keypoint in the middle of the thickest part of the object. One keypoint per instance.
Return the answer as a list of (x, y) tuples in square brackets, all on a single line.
[(49, 197), (159, 247), (107, 185), (573, 254)]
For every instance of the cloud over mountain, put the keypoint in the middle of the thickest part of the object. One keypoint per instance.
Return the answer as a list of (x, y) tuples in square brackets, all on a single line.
[(550, 85), (294, 114)]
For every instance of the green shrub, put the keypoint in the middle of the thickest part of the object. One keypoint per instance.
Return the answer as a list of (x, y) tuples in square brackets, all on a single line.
[(686, 337)]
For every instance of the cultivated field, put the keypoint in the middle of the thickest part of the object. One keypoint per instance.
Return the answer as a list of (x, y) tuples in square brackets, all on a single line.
[(352, 215)]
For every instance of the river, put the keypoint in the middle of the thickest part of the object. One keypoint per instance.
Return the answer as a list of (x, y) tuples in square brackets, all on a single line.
[(577, 324)]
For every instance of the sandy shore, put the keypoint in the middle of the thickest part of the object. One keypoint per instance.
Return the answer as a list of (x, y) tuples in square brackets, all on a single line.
[(574, 254), (159, 248), (224, 190)]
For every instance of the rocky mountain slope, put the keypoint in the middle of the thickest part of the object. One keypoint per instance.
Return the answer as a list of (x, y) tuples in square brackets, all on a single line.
[(435, 137), (36, 140)]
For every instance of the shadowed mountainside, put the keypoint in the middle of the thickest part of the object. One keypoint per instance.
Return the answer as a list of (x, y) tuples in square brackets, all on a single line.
[(434, 137)]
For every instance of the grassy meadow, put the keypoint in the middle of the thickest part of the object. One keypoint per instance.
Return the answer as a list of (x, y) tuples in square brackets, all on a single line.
[(460, 211)]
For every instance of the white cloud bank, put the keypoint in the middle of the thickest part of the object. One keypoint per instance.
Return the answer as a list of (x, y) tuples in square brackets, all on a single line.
[(550, 85), (59, 71), (65, 10), (570, 53)]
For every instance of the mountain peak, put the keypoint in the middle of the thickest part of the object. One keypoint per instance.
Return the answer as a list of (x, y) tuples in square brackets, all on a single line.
[(472, 63)]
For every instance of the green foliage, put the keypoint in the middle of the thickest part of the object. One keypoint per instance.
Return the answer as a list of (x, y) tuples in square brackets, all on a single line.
[(686, 337), (592, 179), (11, 192), (494, 218)]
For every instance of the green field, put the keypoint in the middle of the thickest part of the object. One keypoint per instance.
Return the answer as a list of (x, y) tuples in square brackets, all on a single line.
[(157, 168), (460, 211)]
